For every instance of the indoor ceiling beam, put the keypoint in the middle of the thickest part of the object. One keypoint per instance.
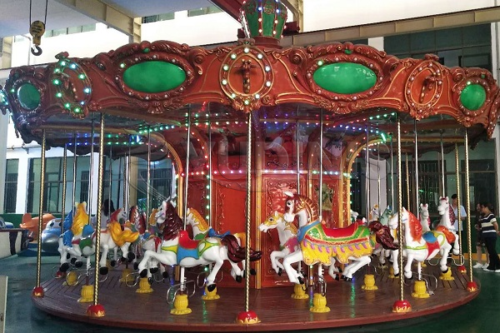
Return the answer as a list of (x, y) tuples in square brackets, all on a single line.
[(297, 8), (418, 24), (108, 15), (232, 7)]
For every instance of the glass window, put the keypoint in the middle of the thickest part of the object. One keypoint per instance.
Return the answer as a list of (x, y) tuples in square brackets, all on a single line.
[(161, 182), (11, 174), (88, 27)]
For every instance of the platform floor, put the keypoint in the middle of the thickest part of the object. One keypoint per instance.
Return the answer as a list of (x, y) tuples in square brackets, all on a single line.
[(351, 306)]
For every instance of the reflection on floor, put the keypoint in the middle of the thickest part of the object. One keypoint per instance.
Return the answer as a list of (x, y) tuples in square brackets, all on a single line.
[(480, 315)]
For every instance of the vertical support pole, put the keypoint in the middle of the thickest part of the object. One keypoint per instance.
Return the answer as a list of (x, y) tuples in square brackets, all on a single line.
[(401, 305), (378, 178), (407, 183), (392, 173), (248, 317), (110, 173), (442, 166), (38, 290), (148, 180), (417, 197), (118, 189), (367, 173), (471, 285), (91, 173), (75, 169), (210, 170), (297, 153), (320, 194), (459, 200), (186, 190), (64, 181), (96, 309)]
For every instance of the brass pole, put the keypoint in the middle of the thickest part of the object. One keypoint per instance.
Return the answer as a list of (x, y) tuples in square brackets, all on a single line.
[(100, 177), (110, 173), (186, 189), (210, 170), (400, 212), (248, 211), (40, 211), (392, 173), (367, 172), (467, 201), (457, 172), (297, 152), (64, 181), (442, 166), (378, 177)]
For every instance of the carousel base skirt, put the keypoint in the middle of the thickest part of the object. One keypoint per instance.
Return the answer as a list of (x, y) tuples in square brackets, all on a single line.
[(350, 305)]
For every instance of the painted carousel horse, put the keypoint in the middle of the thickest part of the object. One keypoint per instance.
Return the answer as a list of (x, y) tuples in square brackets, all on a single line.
[(178, 249), (287, 234), (319, 244), (114, 237), (379, 251), (76, 241), (201, 230), (446, 224), (419, 246), (374, 214)]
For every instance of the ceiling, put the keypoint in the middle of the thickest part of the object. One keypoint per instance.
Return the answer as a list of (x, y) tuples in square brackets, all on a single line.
[(14, 14)]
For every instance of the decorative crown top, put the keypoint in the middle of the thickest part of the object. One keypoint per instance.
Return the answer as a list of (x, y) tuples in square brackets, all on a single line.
[(263, 18)]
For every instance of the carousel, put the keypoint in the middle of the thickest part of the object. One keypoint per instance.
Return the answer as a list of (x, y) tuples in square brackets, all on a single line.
[(267, 143)]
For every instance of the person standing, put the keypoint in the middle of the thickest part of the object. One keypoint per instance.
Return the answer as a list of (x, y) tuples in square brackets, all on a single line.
[(480, 241), (463, 214), (489, 232)]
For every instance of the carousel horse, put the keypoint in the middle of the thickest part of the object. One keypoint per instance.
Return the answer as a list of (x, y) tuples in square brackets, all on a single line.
[(114, 237), (419, 246), (201, 230), (446, 224), (424, 216), (76, 241), (319, 244), (379, 251), (178, 249), (287, 234), (374, 214)]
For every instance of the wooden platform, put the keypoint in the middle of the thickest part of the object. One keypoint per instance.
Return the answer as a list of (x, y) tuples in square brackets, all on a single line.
[(350, 305)]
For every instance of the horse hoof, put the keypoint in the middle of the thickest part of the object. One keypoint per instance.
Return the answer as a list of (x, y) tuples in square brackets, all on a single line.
[(154, 270), (113, 263), (239, 279), (143, 273), (78, 264), (150, 280), (72, 261), (253, 271), (136, 266), (211, 287), (280, 271), (130, 256), (445, 271), (340, 270), (64, 267), (347, 279), (337, 278), (68, 256), (165, 275), (103, 270), (301, 280)]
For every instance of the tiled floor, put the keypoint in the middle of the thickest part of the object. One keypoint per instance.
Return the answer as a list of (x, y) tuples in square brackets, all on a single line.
[(480, 315)]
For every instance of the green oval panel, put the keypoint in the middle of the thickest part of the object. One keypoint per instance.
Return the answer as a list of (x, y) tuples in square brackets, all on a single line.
[(28, 96), (345, 78), (154, 76), (473, 96)]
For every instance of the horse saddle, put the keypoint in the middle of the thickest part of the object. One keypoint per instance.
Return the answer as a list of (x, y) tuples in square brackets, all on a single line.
[(341, 232), (429, 237), (186, 242), (213, 233)]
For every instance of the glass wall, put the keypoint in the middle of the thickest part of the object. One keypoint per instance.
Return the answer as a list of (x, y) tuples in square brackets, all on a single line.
[(11, 174)]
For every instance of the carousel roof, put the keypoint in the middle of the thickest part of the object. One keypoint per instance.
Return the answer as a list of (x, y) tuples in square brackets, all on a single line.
[(153, 87)]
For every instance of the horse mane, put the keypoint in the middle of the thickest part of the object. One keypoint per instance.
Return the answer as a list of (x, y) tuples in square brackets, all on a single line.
[(81, 218), (203, 225), (173, 223), (141, 225), (303, 202), (415, 227), (451, 213)]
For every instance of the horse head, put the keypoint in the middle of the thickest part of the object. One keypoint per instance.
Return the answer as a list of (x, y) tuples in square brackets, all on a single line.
[(386, 215), (394, 220), (271, 222), (118, 215), (302, 206), (374, 214)]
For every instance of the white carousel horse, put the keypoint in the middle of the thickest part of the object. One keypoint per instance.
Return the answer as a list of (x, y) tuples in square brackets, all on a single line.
[(319, 244), (419, 246), (424, 216), (76, 242), (446, 224), (374, 214), (178, 249), (287, 234), (201, 230), (114, 237)]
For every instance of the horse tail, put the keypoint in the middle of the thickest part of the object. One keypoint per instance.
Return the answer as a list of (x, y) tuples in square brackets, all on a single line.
[(237, 253)]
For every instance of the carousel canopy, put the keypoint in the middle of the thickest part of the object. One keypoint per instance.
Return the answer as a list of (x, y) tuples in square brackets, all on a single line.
[(148, 89)]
